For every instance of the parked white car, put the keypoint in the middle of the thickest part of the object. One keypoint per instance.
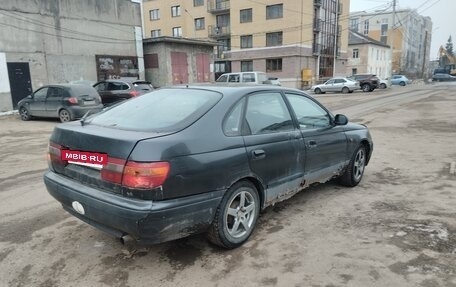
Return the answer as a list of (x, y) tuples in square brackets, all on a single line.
[(248, 77), (337, 84)]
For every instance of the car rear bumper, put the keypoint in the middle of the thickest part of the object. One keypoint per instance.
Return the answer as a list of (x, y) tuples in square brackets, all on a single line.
[(144, 220)]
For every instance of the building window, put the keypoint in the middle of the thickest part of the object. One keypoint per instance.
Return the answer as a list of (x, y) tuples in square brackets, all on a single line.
[(246, 66), (354, 24), (273, 39), (274, 11), (177, 31), (155, 33), (198, 3), (199, 24), (151, 61), (246, 41), (154, 14), (355, 54), (175, 11), (366, 27), (274, 65), (246, 15)]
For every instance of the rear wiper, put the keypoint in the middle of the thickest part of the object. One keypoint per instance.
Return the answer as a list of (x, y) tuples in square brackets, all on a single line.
[(82, 120)]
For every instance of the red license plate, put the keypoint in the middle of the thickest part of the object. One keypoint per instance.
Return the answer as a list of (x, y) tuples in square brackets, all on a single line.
[(84, 157)]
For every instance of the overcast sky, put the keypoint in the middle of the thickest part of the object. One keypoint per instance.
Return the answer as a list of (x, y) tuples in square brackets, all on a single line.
[(442, 13)]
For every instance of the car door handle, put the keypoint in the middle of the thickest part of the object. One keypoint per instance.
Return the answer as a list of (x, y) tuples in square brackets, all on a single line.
[(311, 143), (258, 154)]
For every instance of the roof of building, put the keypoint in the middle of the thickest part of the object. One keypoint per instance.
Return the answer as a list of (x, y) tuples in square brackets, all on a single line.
[(180, 40), (356, 38)]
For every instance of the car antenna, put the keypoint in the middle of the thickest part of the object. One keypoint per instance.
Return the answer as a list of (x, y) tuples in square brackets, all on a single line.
[(82, 120)]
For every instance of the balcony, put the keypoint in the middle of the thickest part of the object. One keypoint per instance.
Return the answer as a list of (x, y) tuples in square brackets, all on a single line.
[(317, 25), (318, 3), (218, 32), (218, 7)]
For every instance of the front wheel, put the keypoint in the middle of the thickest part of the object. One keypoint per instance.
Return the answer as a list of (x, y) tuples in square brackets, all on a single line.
[(345, 90), (24, 113), (382, 86), (366, 88), (355, 169), (64, 116), (317, 91), (236, 216)]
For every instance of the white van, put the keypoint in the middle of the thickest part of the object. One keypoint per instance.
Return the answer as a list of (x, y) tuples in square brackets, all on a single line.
[(247, 77)]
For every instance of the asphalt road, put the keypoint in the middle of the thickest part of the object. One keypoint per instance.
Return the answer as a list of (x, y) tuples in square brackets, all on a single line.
[(397, 228)]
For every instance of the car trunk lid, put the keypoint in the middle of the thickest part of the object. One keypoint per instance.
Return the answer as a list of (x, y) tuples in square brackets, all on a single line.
[(91, 140)]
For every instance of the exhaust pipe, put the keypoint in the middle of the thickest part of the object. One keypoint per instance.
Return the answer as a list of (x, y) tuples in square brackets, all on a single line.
[(125, 238)]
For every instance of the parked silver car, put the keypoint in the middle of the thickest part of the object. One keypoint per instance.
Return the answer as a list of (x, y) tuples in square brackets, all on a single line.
[(338, 84)]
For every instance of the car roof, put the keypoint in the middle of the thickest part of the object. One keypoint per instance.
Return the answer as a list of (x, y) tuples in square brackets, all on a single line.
[(233, 88)]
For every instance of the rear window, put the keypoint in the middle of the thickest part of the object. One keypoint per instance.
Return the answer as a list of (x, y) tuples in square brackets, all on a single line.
[(142, 86), (164, 110), (81, 90)]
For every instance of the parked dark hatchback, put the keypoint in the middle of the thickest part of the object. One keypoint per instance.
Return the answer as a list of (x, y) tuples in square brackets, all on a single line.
[(64, 101), (185, 160), (114, 91), (367, 82)]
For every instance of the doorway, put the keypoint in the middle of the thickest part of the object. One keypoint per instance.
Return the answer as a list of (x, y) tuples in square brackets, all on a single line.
[(20, 81)]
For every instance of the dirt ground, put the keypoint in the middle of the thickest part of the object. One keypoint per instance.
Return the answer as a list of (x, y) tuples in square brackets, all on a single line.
[(397, 228)]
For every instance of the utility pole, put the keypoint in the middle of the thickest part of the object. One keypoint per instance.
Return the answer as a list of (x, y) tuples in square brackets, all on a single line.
[(335, 37), (392, 43)]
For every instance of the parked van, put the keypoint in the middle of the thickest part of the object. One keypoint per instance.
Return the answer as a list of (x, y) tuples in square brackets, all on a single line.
[(247, 77)]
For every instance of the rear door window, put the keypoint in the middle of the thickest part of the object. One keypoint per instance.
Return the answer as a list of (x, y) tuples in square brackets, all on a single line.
[(248, 78), (267, 113), (114, 86), (101, 87), (164, 110), (233, 78)]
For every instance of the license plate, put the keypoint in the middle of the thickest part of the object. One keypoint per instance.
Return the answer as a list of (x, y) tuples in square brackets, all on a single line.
[(85, 158), (88, 103)]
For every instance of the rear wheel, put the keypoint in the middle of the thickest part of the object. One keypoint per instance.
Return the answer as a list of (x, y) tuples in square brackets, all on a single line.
[(402, 83), (355, 170), (382, 86), (24, 113), (345, 90), (317, 91), (236, 216), (64, 116), (366, 88)]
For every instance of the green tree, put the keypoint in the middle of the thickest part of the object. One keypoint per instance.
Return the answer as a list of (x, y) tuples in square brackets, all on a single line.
[(449, 46)]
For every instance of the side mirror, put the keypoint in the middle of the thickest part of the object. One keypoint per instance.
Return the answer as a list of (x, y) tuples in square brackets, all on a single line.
[(340, 120)]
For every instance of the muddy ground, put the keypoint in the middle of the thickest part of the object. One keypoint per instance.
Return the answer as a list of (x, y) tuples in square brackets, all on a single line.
[(397, 228)]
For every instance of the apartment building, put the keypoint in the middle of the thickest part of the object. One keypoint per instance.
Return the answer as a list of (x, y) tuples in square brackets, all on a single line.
[(368, 56), (285, 38), (412, 37)]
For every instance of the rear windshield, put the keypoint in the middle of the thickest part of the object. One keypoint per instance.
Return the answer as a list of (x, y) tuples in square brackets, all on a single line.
[(142, 86), (82, 90), (164, 110)]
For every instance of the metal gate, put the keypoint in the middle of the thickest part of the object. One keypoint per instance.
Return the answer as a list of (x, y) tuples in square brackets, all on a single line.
[(20, 81), (202, 68), (179, 67)]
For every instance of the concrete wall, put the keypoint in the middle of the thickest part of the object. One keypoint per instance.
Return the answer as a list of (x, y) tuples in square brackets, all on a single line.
[(60, 38), (5, 96)]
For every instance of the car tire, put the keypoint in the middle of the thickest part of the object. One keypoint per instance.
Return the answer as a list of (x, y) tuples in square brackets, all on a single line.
[(317, 91), (236, 216), (24, 113), (366, 88), (345, 90), (355, 169), (382, 86), (402, 83), (65, 116)]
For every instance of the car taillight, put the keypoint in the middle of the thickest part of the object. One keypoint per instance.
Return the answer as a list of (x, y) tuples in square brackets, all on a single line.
[(55, 155), (135, 175), (72, 100), (134, 93)]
